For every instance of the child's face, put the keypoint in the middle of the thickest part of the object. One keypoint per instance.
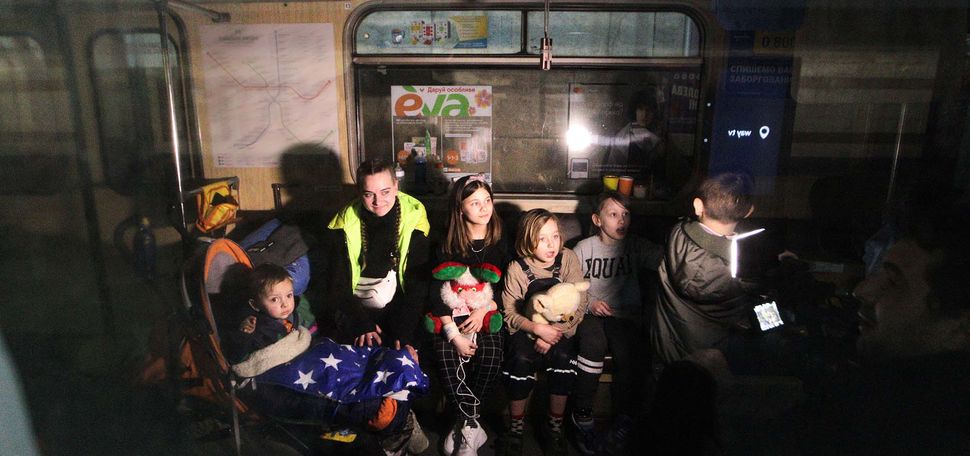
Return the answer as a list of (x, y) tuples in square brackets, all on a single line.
[(278, 301), (477, 208), (612, 220), (644, 116), (549, 242)]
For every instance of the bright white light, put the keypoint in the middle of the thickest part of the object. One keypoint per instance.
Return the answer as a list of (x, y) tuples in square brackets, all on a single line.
[(734, 249), (578, 138)]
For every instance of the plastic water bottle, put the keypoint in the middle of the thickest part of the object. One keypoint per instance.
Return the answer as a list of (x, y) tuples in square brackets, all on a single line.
[(399, 174), (145, 249), (420, 171)]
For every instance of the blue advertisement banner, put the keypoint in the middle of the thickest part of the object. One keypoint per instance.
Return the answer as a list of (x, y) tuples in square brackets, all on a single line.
[(764, 77)]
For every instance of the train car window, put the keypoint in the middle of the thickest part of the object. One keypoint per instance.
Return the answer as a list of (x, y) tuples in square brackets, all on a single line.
[(624, 102), (616, 33), (33, 106), (129, 79), (440, 32), (532, 112)]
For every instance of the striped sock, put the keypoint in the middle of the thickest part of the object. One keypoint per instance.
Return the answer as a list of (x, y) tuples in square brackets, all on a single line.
[(517, 425), (555, 422)]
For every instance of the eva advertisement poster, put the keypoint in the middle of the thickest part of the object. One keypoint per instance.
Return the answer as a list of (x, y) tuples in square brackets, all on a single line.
[(450, 125)]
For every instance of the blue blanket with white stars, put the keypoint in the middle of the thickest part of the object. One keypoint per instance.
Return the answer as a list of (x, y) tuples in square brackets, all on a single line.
[(348, 374)]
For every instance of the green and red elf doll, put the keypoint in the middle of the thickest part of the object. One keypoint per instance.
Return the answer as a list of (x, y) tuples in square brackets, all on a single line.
[(466, 288)]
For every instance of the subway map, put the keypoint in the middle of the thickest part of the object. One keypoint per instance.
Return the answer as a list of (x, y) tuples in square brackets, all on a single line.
[(268, 87)]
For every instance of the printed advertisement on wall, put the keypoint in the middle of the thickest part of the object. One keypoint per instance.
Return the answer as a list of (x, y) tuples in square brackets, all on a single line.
[(458, 32), (446, 129)]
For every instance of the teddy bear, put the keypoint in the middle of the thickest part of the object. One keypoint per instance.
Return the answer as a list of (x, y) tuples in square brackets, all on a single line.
[(466, 288), (558, 304)]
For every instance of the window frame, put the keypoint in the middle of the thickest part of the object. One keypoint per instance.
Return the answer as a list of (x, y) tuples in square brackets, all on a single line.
[(192, 134), (353, 61), (45, 54), (49, 184)]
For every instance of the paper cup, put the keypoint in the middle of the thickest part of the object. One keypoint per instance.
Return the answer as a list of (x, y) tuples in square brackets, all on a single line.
[(640, 191), (625, 185), (610, 182)]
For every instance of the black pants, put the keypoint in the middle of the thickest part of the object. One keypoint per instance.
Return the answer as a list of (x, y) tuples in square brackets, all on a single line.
[(627, 342), (521, 363)]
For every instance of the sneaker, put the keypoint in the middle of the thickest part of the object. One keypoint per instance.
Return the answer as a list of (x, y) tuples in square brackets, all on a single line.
[(418, 442), (449, 444), (509, 445), (399, 441), (472, 438), (554, 444), (587, 439), (396, 443), (467, 437), (617, 438)]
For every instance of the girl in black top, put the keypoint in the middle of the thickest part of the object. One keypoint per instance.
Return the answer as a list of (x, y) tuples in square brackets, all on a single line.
[(469, 352)]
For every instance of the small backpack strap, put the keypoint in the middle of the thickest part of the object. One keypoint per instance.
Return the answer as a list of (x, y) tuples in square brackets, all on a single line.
[(525, 269), (557, 267)]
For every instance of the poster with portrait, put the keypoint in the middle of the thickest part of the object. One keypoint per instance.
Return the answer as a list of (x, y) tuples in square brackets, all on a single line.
[(448, 128)]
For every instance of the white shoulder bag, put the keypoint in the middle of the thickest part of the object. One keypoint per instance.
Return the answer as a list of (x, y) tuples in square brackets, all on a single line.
[(376, 293)]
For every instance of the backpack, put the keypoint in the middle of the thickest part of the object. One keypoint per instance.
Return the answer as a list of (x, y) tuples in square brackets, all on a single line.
[(281, 244), (216, 205)]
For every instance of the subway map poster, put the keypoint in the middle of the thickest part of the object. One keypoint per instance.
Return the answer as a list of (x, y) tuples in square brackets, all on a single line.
[(268, 87)]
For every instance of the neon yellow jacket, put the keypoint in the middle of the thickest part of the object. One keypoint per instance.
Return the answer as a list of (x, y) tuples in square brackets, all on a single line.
[(413, 217)]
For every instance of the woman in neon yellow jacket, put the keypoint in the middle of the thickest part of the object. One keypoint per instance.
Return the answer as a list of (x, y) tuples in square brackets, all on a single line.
[(376, 269)]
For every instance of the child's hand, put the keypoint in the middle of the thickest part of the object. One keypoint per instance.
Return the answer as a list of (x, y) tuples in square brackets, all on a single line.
[(550, 334), (542, 347), (371, 339), (464, 347), (248, 325), (601, 309), (411, 350), (473, 323)]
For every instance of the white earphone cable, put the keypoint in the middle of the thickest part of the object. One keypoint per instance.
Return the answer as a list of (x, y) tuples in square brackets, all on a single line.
[(463, 391)]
